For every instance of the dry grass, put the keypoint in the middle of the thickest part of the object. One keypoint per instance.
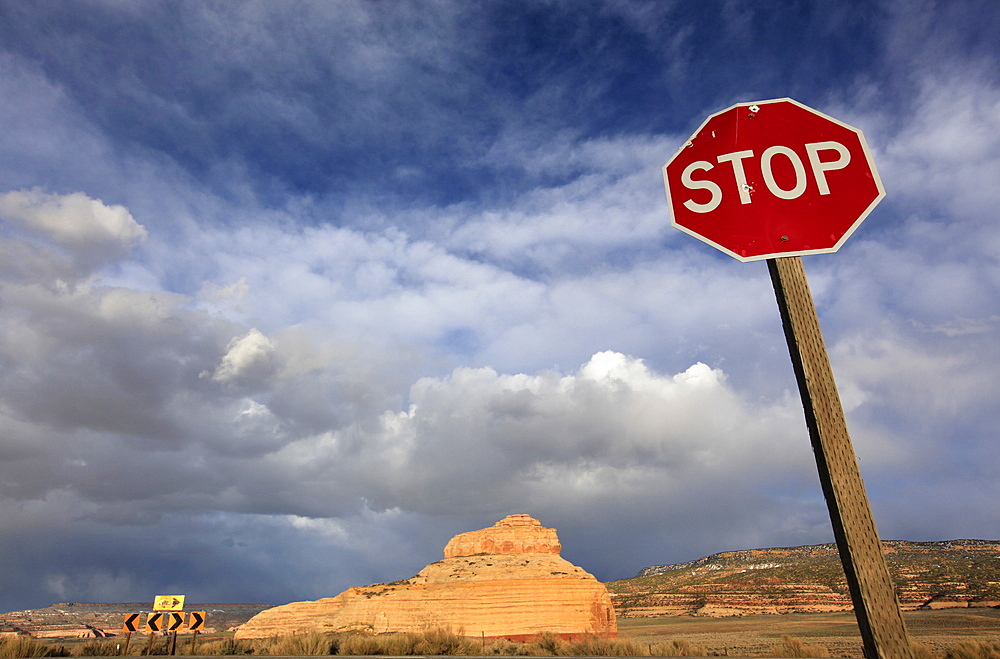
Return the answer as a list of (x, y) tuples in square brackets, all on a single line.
[(225, 646), (795, 647), (921, 651), (24, 646), (300, 645), (551, 645), (440, 642), (974, 650), (677, 648), (435, 642), (98, 648), (359, 644), (595, 646)]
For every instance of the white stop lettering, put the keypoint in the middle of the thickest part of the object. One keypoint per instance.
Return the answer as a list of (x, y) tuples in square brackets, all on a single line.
[(817, 165)]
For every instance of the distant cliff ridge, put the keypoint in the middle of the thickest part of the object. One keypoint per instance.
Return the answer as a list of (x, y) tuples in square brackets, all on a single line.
[(954, 573), (506, 580)]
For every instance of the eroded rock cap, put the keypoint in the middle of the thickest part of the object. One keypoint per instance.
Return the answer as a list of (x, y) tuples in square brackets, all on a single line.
[(514, 534)]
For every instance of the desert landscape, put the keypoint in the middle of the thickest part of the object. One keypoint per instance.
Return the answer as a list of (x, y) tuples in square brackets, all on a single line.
[(505, 589), (755, 635), (748, 636), (499, 326)]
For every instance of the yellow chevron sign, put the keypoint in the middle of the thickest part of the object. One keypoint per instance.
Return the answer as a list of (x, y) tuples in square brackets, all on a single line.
[(154, 622), (175, 621), (196, 621), (131, 624), (168, 603)]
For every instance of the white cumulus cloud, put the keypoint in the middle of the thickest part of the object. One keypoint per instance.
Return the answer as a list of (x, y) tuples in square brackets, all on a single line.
[(248, 357), (53, 237), (73, 220)]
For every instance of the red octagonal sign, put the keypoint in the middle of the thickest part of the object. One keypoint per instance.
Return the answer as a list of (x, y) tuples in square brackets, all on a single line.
[(772, 178)]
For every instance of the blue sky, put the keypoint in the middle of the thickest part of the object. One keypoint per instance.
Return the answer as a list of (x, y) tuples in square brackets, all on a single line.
[(293, 292)]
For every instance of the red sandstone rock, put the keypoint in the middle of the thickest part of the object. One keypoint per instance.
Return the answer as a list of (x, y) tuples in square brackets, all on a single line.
[(502, 581), (514, 534)]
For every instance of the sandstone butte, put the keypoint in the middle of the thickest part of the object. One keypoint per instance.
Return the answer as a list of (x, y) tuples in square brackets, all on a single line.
[(505, 581)]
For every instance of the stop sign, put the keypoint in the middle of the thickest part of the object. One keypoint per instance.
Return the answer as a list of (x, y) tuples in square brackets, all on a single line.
[(772, 178)]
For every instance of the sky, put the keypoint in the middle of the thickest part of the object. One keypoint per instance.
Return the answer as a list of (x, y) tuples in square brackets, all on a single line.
[(291, 293)]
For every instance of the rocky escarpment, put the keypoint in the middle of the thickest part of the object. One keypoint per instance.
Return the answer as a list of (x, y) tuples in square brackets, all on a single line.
[(503, 581), (957, 573)]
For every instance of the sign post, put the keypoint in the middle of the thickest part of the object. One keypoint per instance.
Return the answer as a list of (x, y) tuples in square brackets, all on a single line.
[(196, 622), (775, 180), (175, 621), (875, 603), (154, 625), (130, 626)]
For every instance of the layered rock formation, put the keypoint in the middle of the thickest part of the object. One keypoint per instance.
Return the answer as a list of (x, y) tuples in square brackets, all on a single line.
[(931, 575), (514, 534), (507, 580)]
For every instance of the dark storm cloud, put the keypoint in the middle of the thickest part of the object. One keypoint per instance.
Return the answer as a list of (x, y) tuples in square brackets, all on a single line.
[(408, 102)]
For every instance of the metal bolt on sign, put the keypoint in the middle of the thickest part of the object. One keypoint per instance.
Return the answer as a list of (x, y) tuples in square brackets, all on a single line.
[(775, 180)]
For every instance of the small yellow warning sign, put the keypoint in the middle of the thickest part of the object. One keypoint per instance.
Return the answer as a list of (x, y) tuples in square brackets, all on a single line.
[(168, 603)]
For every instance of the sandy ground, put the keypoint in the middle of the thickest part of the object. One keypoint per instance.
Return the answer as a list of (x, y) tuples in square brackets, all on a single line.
[(837, 632)]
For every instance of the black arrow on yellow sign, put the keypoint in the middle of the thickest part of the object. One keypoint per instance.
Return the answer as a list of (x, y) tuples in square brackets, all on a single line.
[(168, 602), (131, 624), (175, 621), (197, 621), (153, 623)]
